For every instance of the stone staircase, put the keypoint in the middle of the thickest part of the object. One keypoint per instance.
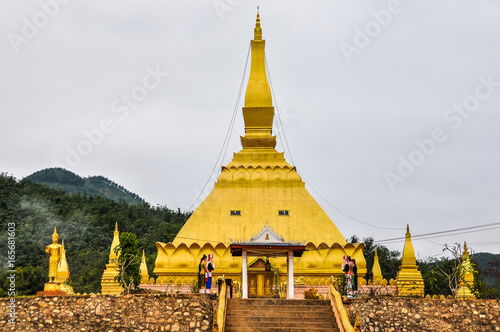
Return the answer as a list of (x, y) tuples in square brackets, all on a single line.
[(280, 315)]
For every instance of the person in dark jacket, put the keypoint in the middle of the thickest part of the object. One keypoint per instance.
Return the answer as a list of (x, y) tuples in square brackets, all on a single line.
[(201, 273), (355, 275)]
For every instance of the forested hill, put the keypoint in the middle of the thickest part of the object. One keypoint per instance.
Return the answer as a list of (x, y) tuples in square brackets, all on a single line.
[(59, 178), (488, 266), (86, 225)]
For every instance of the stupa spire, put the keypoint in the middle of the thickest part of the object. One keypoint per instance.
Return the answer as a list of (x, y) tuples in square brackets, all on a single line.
[(114, 244), (258, 112), (258, 30), (258, 92), (408, 251)]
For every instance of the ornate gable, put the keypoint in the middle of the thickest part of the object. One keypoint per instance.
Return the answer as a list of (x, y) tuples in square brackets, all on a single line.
[(267, 235)]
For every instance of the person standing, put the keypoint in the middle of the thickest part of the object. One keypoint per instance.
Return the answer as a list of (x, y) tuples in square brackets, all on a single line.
[(346, 268), (355, 277), (208, 274), (201, 273)]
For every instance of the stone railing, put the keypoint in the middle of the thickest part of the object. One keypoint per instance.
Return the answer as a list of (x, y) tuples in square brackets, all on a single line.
[(221, 309), (336, 300)]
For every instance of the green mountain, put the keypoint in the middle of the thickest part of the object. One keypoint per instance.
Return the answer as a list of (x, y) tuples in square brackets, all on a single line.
[(85, 223), (59, 178), (488, 266)]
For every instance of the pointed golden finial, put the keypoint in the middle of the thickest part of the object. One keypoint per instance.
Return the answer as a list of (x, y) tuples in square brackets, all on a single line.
[(116, 227), (55, 230), (407, 228), (466, 251), (357, 325), (257, 30), (143, 254)]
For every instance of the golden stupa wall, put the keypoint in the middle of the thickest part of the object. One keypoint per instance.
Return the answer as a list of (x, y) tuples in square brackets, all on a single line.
[(179, 264), (256, 188)]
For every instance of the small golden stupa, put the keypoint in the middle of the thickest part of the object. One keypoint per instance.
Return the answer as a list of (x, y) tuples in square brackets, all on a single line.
[(409, 279), (378, 279), (144, 269), (63, 273), (467, 276), (108, 284)]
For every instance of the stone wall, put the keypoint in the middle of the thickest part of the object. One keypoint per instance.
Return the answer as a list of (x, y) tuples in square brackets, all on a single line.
[(144, 312), (411, 314)]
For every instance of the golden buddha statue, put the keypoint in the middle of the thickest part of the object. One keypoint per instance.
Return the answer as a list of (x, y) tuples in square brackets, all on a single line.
[(55, 252)]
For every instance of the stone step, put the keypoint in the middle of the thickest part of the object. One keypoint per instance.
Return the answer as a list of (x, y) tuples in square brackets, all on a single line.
[(279, 320), (282, 324), (281, 308), (278, 302), (284, 329), (281, 313)]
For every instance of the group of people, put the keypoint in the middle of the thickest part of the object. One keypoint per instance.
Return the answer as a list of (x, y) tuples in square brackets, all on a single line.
[(205, 269), (207, 265), (351, 272)]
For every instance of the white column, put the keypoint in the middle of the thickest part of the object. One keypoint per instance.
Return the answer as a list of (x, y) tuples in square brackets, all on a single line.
[(290, 290), (244, 292)]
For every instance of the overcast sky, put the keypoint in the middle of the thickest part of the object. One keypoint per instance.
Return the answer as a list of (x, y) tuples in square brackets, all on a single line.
[(390, 108)]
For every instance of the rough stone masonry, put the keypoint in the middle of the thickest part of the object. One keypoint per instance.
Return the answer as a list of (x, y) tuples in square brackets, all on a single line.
[(412, 314), (145, 312)]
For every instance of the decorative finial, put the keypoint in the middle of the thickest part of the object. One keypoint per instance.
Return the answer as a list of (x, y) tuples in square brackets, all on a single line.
[(407, 228), (257, 30), (116, 227), (55, 230), (465, 254), (143, 254)]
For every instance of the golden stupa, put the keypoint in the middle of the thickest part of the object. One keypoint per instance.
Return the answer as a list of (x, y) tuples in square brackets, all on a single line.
[(466, 281), (108, 284), (63, 273), (378, 279), (409, 279), (257, 188)]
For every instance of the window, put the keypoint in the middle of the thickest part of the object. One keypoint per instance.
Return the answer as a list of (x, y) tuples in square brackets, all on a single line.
[(283, 212), (235, 212)]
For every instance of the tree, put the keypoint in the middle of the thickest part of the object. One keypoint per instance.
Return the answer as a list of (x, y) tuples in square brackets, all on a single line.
[(454, 270), (389, 259), (481, 289), (435, 282), (128, 262)]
